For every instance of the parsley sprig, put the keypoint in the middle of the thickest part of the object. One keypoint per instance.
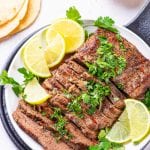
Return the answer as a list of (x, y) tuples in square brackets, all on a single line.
[(16, 86), (60, 123), (106, 23), (28, 76), (107, 65), (73, 13), (105, 144)]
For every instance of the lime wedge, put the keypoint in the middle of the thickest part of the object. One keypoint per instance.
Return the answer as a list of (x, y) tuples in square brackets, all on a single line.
[(55, 51), (139, 119), (72, 32), (133, 124), (34, 58), (120, 132), (35, 93)]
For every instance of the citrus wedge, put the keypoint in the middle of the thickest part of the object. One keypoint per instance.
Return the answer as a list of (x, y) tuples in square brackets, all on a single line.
[(139, 119), (55, 51), (34, 58), (120, 132), (34, 92), (72, 32)]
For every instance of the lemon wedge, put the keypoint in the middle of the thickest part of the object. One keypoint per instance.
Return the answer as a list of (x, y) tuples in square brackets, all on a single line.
[(55, 50), (72, 32), (34, 58), (35, 93)]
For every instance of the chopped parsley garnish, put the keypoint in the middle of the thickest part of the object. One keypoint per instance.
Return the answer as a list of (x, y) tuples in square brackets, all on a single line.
[(119, 38), (73, 14), (146, 100), (43, 113), (93, 98), (95, 95), (16, 87), (60, 122), (105, 144), (106, 23), (107, 65), (75, 106), (120, 86)]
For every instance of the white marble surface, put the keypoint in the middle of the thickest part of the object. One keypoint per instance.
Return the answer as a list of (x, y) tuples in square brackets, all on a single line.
[(123, 11)]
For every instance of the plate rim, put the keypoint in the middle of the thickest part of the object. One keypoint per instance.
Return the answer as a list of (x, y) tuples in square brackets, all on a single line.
[(14, 136)]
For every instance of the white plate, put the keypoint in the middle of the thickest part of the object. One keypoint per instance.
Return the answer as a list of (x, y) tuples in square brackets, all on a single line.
[(12, 100)]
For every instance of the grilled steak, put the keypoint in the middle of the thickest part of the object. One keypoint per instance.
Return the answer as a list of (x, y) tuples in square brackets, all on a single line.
[(72, 77)]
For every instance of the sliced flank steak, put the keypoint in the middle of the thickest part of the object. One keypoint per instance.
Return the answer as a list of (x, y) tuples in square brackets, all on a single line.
[(69, 81)]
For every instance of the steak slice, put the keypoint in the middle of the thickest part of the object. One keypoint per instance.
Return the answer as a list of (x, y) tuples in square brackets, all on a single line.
[(87, 52), (110, 110), (81, 71), (52, 86), (61, 77), (77, 136), (37, 132), (72, 77), (81, 124), (102, 120), (135, 81), (75, 66)]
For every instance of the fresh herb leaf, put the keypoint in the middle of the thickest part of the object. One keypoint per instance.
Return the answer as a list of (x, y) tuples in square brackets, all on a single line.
[(73, 13), (146, 100), (60, 122), (107, 65), (16, 87), (105, 144), (106, 23), (5, 80), (28, 76)]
